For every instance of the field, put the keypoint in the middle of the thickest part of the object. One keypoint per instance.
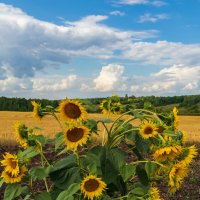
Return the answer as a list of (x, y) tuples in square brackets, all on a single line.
[(190, 124)]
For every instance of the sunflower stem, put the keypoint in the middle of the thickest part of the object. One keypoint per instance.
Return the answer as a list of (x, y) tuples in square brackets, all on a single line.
[(162, 139), (145, 161), (54, 115), (46, 185), (43, 165), (152, 113)]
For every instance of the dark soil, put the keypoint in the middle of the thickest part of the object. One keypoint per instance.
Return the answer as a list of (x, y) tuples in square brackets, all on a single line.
[(190, 189)]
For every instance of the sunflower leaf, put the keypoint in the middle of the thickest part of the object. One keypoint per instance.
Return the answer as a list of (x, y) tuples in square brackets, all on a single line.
[(43, 196), (68, 194), (12, 191)]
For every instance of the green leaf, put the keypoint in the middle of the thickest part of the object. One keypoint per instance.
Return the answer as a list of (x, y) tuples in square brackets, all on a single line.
[(92, 125), (110, 172), (28, 153), (105, 120), (139, 191), (127, 171), (39, 172), (25, 191), (143, 145), (59, 140), (137, 115), (43, 196), (65, 172), (12, 191), (142, 175), (41, 139), (67, 162), (1, 182), (67, 194), (150, 168), (131, 136)]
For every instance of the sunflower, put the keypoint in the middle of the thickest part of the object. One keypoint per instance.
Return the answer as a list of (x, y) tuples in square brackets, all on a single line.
[(21, 134), (148, 129), (76, 136), (72, 110), (176, 176), (111, 105), (167, 138), (92, 187), (170, 152), (104, 106), (10, 163), (184, 137), (154, 194), (37, 110), (176, 119), (10, 178), (189, 154)]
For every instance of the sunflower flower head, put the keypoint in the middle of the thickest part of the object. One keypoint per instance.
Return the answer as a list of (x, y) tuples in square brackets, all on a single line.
[(21, 132), (168, 152), (148, 129), (184, 137), (176, 176), (72, 110), (189, 154), (175, 117), (8, 177), (76, 136), (92, 187), (111, 105), (37, 110), (154, 194), (10, 164)]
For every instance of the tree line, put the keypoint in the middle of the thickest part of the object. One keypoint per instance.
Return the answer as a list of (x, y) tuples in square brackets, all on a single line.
[(187, 104)]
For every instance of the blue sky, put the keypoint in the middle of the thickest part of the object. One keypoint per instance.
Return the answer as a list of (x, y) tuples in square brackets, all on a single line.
[(93, 48)]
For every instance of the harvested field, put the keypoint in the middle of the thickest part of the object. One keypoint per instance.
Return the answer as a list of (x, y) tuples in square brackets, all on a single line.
[(190, 124)]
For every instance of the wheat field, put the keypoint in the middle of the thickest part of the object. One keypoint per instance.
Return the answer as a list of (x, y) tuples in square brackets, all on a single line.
[(190, 124)]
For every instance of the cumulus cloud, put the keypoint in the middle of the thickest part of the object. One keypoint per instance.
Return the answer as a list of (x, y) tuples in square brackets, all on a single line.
[(148, 17), (110, 78), (54, 83), (29, 44), (163, 53), (142, 2), (175, 80)]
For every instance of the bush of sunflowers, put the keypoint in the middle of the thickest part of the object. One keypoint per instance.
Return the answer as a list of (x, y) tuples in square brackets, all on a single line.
[(83, 168)]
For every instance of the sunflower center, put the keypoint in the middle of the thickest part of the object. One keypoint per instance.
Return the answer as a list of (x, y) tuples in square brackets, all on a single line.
[(148, 130), (10, 175), (160, 129), (75, 134), (13, 163), (91, 185), (72, 111)]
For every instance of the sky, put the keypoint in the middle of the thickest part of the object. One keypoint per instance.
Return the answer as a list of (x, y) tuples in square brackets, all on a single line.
[(94, 48)]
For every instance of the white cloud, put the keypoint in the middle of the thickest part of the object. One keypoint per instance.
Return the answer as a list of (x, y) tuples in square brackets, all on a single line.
[(163, 53), (110, 78), (54, 83), (152, 18), (117, 13), (29, 44), (175, 80), (192, 85), (142, 2)]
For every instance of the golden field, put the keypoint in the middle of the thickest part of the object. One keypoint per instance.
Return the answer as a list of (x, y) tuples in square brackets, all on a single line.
[(190, 124)]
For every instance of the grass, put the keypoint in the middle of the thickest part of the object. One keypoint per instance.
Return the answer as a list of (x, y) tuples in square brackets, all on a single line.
[(49, 126)]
